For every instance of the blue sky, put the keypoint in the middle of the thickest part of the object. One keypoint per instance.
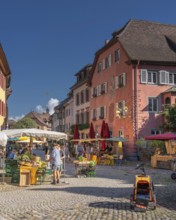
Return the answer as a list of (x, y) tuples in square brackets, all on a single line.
[(47, 41)]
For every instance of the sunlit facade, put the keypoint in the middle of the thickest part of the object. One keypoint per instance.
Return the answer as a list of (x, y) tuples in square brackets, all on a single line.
[(5, 90)]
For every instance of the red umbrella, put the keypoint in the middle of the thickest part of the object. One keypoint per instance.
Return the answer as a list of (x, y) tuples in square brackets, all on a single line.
[(165, 136), (76, 132), (106, 131), (103, 128), (91, 131), (103, 135)]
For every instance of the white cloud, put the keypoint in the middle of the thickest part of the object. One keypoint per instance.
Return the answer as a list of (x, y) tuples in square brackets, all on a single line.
[(51, 104), (16, 118), (40, 109)]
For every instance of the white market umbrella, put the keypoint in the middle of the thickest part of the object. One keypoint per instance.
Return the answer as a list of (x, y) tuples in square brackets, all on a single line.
[(34, 132), (3, 142), (3, 139)]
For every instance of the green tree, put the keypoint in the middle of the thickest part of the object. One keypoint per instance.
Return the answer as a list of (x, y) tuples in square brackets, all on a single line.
[(170, 119), (25, 123)]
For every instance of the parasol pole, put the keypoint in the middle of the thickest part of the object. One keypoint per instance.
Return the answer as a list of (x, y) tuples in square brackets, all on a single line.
[(64, 181), (3, 166), (31, 144)]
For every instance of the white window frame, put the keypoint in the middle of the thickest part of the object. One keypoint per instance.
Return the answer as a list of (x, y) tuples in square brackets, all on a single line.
[(153, 99), (163, 77)]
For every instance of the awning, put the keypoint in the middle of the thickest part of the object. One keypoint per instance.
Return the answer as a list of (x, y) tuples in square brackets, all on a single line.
[(162, 137)]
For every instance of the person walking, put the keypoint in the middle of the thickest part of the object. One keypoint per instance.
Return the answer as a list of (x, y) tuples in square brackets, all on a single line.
[(47, 154), (56, 159)]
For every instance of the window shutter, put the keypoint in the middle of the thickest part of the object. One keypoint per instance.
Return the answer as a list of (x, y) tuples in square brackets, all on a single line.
[(124, 79), (92, 92), (105, 111), (97, 113), (91, 114), (144, 76), (103, 64), (164, 77), (110, 60), (116, 82), (99, 88), (106, 85)]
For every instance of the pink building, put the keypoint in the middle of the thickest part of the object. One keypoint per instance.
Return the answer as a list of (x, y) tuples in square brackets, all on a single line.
[(133, 76)]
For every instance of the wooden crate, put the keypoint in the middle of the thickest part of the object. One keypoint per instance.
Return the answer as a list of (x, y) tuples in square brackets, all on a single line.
[(25, 177), (162, 158)]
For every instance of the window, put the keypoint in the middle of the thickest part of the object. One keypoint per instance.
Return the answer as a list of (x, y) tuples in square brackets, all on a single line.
[(103, 88), (102, 112), (77, 118), (82, 118), (86, 117), (120, 80), (149, 76), (155, 131), (117, 55), (94, 114), (121, 109), (172, 78), (94, 92), (77, 99), (108, 61), (99, 67), (152, 77), (87, 95), (82, 97), (153, 104)]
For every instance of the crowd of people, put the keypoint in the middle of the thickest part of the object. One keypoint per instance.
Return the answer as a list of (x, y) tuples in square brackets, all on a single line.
[(55, 153), (87, 149)]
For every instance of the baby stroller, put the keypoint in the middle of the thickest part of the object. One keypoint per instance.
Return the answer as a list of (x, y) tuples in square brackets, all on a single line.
[(143, 197)]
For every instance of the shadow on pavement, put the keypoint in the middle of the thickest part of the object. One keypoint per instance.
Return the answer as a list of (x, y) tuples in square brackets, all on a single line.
[(111, 205), (165, 198), (91, 191)]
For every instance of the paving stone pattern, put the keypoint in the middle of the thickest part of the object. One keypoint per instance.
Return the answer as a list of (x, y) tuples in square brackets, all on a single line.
[(103, 197)]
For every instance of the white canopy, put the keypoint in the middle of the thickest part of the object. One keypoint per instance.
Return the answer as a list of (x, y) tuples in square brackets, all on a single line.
[(34, 132), (3, 139)]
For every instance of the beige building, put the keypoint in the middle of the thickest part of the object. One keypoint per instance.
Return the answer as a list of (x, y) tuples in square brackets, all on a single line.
[(81, 101), (5, 91)]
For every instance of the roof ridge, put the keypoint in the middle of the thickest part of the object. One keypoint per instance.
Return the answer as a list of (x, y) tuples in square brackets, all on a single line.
[(153, 22), (122, 30)]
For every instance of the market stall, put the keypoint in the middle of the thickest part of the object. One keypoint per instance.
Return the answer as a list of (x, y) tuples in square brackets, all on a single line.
[(164, 161), (30, 168), (85, 168)]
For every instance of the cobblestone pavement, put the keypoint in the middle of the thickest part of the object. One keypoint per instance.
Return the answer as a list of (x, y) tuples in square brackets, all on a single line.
[(105, 196)]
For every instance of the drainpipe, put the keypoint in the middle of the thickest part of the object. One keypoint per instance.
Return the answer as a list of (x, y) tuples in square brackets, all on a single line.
[(135, 102)]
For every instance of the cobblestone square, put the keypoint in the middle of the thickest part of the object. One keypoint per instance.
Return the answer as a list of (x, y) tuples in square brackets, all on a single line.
[(105, 196)]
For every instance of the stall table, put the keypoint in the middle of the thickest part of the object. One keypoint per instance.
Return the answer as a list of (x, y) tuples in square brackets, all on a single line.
[(82, 168), (33, 171)]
